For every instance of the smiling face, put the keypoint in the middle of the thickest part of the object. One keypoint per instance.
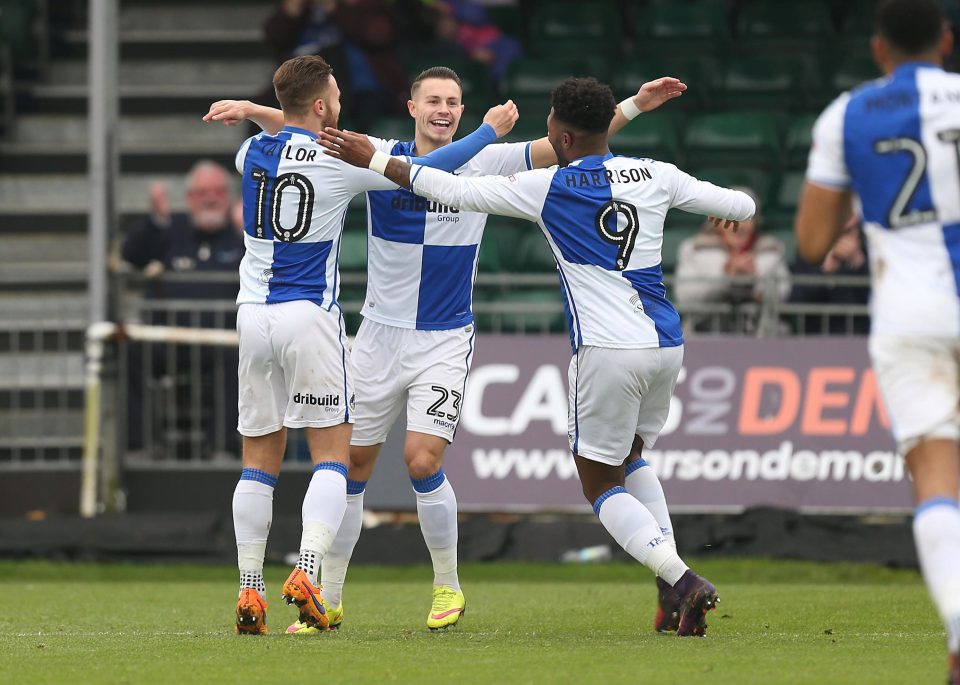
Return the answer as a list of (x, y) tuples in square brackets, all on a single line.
[(436, 108)]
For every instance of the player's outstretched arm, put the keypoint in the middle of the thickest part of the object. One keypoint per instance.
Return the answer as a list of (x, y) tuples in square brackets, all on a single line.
[(521, 195), (651, 95), (497, 123), (233, 112)]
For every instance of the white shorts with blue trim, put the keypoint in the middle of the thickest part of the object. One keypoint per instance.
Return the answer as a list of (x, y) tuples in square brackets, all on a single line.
[(919, 379), (294, 368), (616, 394), (424, 370)]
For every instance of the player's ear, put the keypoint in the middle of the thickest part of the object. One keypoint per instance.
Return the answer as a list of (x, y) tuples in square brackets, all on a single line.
[(879, 51), (319, 107), (946, 42), (412, 108)]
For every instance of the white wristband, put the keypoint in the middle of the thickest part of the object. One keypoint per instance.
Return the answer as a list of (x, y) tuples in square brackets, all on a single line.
[(629, 109), (379, 161)]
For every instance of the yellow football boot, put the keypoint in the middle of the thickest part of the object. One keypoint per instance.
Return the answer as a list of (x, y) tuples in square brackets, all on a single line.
[(448, 607), (334, 616)]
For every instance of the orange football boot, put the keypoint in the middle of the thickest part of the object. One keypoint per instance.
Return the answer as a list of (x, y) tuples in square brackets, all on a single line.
[(300, 591), (251, 613)]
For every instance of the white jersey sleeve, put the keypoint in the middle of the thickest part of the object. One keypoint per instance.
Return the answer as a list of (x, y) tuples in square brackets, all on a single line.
[(518, 195), (826, 165), (242, 154), (701, 197), (503, 159)]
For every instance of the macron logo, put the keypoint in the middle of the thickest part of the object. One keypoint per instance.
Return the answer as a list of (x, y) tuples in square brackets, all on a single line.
[(325, 401)]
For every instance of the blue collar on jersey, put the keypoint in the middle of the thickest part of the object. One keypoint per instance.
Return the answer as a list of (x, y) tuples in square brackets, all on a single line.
[(909, 67), (302, 131), (592, 159)]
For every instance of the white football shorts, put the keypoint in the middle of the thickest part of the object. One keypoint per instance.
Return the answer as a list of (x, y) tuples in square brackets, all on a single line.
[(919, 379), (426, 370), (294, 368), (615, 395)]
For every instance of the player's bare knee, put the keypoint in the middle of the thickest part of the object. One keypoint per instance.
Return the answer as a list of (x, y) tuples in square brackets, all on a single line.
[(362, 461), (423, 463)]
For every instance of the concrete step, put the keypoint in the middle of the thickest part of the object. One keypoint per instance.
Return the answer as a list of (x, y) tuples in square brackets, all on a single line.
[(23, 193), (31, 249), (41, 371), (144, 75), (45, 427), (47, 133), (160, 17), (43, 311)]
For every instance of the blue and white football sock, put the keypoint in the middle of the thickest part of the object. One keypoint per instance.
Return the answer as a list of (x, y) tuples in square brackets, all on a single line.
[(643, 484), (323, 509), (252, 514), (936, 530), (636, 530), (333, 570), (437, 510)]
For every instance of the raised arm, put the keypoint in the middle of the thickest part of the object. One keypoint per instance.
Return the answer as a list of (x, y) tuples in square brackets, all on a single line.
[(651, 95), (233, 112), (520, 195), (497, 123)]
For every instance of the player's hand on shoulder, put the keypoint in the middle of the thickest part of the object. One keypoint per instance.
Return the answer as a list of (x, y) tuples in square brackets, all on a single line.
[(502, 118), (352, 148), (229, 112), (654, 93)]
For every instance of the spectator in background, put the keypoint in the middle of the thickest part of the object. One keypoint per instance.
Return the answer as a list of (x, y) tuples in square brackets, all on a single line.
[(466, 23), (846, 258), (358, 38), (739, 267), (204, 239)]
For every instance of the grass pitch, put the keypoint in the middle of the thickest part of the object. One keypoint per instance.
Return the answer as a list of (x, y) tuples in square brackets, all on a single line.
[(778, 623)]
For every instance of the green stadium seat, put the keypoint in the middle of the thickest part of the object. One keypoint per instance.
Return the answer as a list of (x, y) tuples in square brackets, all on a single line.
[(539, 76), (534, 254), (781, 215), (353, 250), (489, 260), (796, 147), (17, 19), (534, 310), (681, 26), (590, 27), (775, 26), (503, 235), (696, 71), (851, 73), (733, 138), (773, 82), (649, 135), (393, 128), (530, 126), (729, 177), (773, 19)]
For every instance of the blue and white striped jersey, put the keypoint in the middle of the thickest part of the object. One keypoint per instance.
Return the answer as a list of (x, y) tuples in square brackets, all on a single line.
[(603, 218), (294, 202), (896, 143), (422, 255)]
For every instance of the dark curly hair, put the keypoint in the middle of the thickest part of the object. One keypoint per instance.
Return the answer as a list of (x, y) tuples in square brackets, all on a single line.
[(584, 103), (911, 26)]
